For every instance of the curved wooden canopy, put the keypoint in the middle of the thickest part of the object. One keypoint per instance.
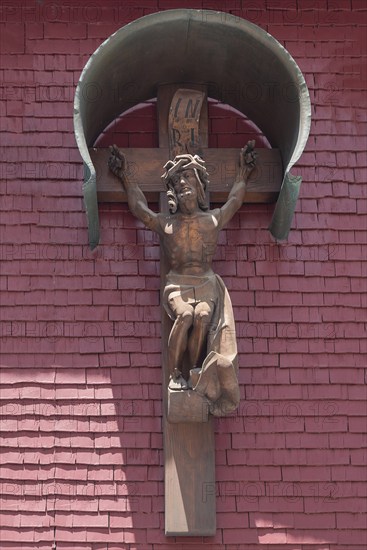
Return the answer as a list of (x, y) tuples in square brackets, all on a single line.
[(240, 64)]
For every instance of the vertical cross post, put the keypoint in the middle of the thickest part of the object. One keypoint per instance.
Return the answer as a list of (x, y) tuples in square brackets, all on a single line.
[(189, 452)]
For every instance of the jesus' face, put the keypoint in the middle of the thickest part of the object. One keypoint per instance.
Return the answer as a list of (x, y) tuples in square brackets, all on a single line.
[(185, 185)]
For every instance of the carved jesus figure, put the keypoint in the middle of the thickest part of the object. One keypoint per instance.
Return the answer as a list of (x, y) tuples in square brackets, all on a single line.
[(194, 295)]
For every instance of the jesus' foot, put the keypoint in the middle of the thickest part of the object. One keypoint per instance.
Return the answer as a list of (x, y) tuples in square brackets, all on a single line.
[(178, 383)]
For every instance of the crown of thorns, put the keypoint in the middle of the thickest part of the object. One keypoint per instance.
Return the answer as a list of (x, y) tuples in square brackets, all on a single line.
[(186, 162)]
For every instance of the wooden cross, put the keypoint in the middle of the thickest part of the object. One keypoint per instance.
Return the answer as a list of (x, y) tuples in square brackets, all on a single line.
[(188, 445)]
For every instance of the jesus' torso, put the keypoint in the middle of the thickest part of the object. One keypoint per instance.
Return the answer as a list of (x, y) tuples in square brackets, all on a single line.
[(189, 241)]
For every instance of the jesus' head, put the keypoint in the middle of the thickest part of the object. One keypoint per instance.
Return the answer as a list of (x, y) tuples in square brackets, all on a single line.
[(185, 176)]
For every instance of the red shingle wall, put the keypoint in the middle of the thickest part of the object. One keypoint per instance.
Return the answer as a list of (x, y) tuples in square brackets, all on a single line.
[(82, 460)]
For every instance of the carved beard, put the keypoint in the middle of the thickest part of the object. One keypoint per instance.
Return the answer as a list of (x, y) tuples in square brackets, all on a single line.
[(188, 198), (184, 196)]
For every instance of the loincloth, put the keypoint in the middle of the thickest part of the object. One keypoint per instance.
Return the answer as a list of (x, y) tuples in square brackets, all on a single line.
[(218, 374), (191, 289)]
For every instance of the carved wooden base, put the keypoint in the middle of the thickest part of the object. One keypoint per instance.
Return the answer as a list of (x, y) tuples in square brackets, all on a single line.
[(186, 406)]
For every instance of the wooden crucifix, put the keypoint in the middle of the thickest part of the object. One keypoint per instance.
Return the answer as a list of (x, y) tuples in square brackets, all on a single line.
[(199, 351)]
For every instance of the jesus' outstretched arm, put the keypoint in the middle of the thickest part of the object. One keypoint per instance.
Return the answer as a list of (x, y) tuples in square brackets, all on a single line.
[(137, 202), (236, 196)]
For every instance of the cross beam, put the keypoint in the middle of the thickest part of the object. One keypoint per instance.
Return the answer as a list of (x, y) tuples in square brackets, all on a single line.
[(146, 165)]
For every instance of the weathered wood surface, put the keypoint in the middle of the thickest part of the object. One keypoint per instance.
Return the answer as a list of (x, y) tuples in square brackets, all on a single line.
[(167, 104), (190, 479), (183, 121), (146, 166)]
